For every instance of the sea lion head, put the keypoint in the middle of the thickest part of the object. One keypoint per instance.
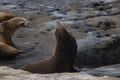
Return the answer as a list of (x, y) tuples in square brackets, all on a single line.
[(5, 16), (66, 43), (61, 33), (13, 24)]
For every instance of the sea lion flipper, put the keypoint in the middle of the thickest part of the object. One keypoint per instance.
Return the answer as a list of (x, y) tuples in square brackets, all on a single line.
[(9, 49)]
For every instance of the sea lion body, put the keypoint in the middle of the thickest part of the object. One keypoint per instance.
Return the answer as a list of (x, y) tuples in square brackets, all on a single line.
[(7, 28), (4, 16), (63, 58), (8, 52)]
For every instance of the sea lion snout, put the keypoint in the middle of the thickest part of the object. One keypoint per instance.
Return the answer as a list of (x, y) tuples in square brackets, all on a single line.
[(59, 25), (60, 30), (24, 23)]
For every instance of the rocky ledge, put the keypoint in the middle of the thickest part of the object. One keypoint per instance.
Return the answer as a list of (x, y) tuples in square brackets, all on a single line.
[(94, 24), (7, 73)]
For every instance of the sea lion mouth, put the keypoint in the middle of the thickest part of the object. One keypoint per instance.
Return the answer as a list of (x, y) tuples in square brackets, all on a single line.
[(25, 25)]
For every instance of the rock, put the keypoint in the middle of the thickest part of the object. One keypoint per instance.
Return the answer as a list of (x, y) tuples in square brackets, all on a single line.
[(113, 11), (96, 53), (110, 70), (89, 14), (5, 71), (57, 76), (5, 3), (103, 22), (91, 21), (76, 5), (105, 25)]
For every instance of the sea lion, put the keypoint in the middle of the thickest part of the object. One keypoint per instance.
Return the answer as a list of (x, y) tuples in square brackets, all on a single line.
[(4, 16), (7, 29), (63, 58), (8, 52)]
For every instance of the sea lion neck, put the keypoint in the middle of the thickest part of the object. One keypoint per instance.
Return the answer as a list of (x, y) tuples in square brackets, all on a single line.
[(65, 47), (6, 37)]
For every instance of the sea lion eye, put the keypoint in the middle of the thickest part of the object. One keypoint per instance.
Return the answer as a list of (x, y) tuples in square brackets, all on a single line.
[(21, 23)]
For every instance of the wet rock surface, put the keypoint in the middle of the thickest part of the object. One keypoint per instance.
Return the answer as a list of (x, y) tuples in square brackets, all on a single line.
[(22, 75), (5, 71), (110, 70), (94, 23), (101, 53)]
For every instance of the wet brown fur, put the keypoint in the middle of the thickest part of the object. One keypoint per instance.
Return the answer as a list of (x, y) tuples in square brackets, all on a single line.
[(8, 49), (4, 16), (63, 58)]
